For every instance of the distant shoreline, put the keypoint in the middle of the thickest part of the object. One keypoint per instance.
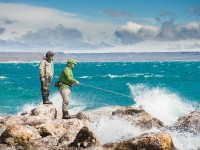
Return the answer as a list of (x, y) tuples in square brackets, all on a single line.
[(101, 57)]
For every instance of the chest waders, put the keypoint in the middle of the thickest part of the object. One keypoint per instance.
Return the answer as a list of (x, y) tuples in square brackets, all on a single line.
[(45, 88)]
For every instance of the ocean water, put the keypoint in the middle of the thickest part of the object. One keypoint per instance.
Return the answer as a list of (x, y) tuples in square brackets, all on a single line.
[(166, 90)]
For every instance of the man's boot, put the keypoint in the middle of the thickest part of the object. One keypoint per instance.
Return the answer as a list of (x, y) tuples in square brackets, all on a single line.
[(65, 115), (46, 100)]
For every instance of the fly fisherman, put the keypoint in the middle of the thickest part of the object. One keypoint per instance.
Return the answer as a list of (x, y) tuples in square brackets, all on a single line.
[(67, 80), (46, 75)]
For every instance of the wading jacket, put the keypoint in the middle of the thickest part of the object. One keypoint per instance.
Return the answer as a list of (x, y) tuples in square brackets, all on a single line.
[(46, 68), (66, 77)]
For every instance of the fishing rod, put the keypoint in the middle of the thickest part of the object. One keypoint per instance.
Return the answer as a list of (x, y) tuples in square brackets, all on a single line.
[(106, 90)]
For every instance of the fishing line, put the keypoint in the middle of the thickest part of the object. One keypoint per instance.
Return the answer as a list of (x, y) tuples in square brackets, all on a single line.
[(106, 90)]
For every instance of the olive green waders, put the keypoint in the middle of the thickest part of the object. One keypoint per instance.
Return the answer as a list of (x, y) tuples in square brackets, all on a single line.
[(45, 88)]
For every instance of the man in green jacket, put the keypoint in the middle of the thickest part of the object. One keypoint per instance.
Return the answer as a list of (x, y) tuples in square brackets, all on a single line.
[(67, 80)]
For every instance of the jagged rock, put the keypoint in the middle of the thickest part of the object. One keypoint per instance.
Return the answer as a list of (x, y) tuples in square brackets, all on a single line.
[(5, 147), (46, 143), (147, 141), (46, 129), (10, 120), (82, 116), (64, 139), (47, 111), (17, 135), (33, 120), (189, 123), (138, 117), (85, 138)]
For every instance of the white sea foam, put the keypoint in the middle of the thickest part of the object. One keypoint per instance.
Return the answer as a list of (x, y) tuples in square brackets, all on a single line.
[(115, 129), (111, 130), (27, 107), (160, 103), (3, 77), (135, 75), (185, 140), (86, 77), (75, 105)]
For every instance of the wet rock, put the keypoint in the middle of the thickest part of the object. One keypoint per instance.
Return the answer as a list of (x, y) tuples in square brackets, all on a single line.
[(85, 138), (82, 116), (138, 117), (148, 141), (189, 123)]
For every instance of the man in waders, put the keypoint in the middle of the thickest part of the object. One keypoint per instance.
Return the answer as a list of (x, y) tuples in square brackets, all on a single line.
[(46, 75), (67, 80)]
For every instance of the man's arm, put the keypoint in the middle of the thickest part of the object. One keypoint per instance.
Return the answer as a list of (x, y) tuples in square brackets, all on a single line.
[(42, 69)]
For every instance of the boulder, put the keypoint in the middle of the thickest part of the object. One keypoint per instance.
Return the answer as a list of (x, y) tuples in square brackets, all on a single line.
[(147, 141), (46, 129), (138, 117), (17, 135), (85, 138), (189, 123), (45, 111)]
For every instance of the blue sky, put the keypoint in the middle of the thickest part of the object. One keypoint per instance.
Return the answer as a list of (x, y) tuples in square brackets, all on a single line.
[(100, 25)]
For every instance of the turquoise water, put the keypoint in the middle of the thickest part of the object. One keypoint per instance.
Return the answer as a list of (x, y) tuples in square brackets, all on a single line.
[(20, 84), (166, 90)]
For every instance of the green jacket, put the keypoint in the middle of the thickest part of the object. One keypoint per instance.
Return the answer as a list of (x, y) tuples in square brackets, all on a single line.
[(66, 77)]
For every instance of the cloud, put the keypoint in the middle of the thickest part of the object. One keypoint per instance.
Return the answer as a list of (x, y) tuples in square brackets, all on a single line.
[(22, 18), (169, 31), (132, 33), (164, 13), (2, 30), (7, 21), (60, 36), (164, 16), (114, 13), (195, 11), (158, 19)]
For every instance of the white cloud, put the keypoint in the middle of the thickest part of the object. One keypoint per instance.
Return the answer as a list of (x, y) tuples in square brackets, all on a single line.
[(132, 32), (32, 18), (193, 26)]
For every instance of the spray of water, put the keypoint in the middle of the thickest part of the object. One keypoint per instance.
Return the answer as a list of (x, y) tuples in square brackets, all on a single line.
[(160, 103)]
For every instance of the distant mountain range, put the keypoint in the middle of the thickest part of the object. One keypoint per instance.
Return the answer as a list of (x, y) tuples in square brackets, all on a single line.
[(102, 57)]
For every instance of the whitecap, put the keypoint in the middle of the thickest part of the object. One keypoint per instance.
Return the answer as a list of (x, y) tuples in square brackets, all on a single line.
[(86, 77), (3, 77)]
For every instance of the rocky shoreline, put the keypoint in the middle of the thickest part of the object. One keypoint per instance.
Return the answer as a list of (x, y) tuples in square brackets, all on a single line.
[(44, 129)]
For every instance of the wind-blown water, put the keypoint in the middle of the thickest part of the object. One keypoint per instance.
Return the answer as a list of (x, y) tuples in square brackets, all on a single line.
[(166, 90)]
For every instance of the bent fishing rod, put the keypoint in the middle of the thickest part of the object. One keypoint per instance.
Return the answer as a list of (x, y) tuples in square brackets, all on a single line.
[(106, 90)]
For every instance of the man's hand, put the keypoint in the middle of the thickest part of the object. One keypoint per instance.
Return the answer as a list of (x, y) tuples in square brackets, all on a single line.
[(76, 83)]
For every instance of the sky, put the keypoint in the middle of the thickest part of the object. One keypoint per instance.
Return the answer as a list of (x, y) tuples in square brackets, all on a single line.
[(99, 26)]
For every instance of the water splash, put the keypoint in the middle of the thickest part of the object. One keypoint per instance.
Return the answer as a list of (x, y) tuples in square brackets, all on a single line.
[(27, 107), (160, 103), (76, 105), (111, 130)]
